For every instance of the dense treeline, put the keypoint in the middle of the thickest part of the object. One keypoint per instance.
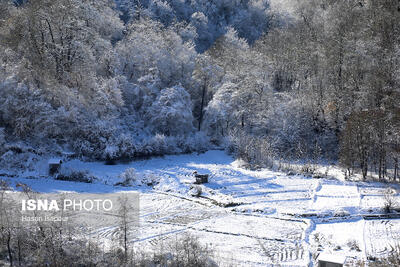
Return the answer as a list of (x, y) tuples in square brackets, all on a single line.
[(322, 83), (132, 78), (203, 21), (351, 75), (73, 74)]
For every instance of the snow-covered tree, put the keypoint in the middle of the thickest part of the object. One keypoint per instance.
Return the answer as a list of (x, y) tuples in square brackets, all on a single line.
[(149, 47), (171, 113)]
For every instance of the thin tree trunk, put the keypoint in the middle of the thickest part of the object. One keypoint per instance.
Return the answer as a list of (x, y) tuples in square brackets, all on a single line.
[(126, 243), (203, 96), (9, 249), (19, 251)]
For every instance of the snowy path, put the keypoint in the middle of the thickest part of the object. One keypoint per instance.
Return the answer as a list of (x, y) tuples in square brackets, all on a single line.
[(251, 218)]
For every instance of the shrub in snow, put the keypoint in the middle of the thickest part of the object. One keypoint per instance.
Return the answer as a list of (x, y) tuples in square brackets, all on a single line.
[(150, 179), (255, 150), (7, 160), (341, 213), (161, 144), (18, 160), (126, 145), (196, 191), (390, 201), (197, 142), (111, 153), (185, 250), (82, 176), (353, 245), (128, 177)]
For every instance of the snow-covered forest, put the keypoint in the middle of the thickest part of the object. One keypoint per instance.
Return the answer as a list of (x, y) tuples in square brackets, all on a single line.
[(137, 78), (303, 97)]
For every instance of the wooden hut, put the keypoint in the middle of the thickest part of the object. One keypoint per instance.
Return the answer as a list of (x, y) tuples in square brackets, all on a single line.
[(200, 178), (54, 165)]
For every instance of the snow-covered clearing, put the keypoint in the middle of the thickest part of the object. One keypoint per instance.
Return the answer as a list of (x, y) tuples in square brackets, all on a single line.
[(251, 218)]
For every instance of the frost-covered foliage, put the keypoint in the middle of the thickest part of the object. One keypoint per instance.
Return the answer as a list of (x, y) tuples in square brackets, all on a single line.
[(131, 178), (75, 75), (221, 111), (171, 113), (79, 79), (210, 19), (196, 191), (150, 53), (81, 176), (128, 177), (320, 82), (19, 157)]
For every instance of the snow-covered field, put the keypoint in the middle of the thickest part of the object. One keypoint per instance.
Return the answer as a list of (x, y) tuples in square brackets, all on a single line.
[(250, 218)]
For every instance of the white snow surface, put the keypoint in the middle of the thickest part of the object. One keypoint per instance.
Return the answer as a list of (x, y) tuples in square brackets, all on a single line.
[(250, 218)]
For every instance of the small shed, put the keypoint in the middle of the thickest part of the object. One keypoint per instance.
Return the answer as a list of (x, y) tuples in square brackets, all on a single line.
[(200, 178), (331, 260), (54, 165)]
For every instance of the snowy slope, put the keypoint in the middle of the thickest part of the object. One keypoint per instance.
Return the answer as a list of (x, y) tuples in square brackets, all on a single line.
[(251, 218)]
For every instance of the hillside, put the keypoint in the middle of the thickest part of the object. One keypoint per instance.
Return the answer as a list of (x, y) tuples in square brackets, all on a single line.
[(250, 218), (290, 109)]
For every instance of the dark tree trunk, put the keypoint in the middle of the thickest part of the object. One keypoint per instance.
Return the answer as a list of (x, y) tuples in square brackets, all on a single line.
[(203, 100), (19, 251), (126, 242), (9, 249)]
